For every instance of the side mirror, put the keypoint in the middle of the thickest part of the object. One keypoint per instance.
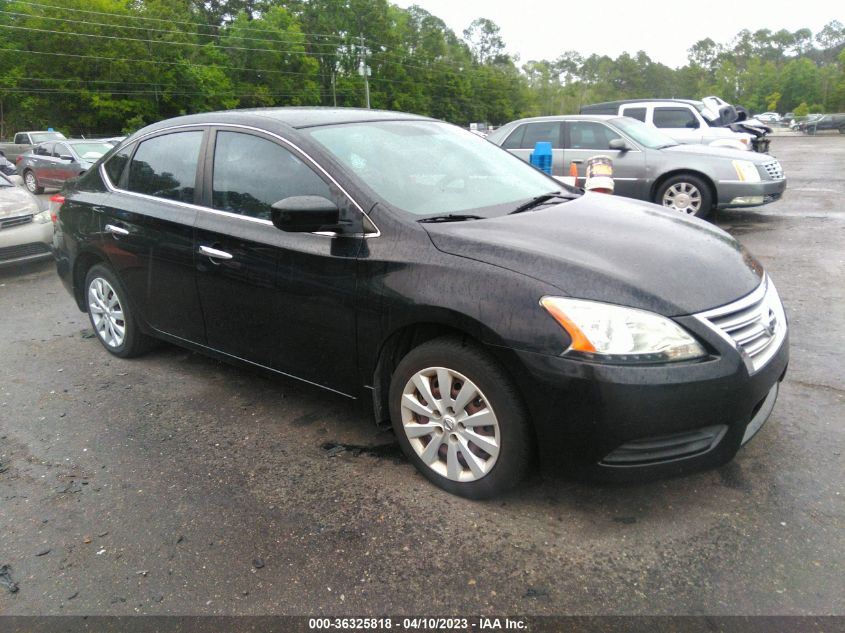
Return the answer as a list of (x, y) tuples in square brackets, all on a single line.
[(66, 157), (305, 214), (619, 144)]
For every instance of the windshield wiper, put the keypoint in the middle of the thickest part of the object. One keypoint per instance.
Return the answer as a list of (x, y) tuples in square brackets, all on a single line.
[(451, 217), (538, 200)]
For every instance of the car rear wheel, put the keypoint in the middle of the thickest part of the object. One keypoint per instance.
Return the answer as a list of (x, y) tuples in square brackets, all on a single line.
[(459, 419), (110, 314), (685, 193), (31, 182)]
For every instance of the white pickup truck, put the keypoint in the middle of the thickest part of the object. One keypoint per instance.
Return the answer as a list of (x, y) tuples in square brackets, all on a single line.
[(684, 120), (24, 141)]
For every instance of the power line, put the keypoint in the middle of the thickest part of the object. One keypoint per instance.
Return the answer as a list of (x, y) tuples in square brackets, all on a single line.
[(155, 62), (170, 31), (164, 20)]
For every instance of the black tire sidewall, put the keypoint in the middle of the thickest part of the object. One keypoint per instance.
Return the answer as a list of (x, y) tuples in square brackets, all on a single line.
[(515, 438), (132, 339), (698, 183)]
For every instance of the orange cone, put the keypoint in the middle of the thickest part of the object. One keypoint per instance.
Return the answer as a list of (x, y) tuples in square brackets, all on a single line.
[(573, 173)]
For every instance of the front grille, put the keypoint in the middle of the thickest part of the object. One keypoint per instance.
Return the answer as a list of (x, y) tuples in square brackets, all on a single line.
[(666, 448), (18, 220), (774, 170), (23, 250), (755, 324)]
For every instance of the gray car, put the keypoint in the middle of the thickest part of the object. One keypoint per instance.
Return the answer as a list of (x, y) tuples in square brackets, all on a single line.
[(51, 164), (648, 165), (26, 230)]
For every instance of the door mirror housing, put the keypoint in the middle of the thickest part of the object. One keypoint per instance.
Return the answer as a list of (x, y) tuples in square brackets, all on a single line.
[(619, 144), (66, 157), (305, 214)]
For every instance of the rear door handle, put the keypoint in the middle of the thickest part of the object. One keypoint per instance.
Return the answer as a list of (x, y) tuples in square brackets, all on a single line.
[(116, 230), (214, 253)]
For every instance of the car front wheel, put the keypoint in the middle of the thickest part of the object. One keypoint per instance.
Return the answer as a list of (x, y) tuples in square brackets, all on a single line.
[(459, 419), (685, 193), (31, 182), (110, 314)]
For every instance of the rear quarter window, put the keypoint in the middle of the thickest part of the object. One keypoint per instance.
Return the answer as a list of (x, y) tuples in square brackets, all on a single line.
[(115, 165), (166, 166)]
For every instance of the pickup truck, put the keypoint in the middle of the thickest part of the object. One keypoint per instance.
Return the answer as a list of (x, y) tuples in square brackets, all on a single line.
[(25, 141), (685, 120)]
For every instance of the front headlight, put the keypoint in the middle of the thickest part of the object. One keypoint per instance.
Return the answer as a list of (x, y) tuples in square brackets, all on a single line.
[(42, 217), (746, 171), (602, 331)]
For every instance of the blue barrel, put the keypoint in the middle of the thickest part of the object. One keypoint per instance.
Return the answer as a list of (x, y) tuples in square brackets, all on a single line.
[(541, 157)]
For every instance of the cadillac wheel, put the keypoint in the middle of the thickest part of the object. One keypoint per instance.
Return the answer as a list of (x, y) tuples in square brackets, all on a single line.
[(459, 419)]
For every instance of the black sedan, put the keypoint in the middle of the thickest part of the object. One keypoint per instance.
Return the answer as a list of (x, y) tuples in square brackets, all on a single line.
[(480, 307)]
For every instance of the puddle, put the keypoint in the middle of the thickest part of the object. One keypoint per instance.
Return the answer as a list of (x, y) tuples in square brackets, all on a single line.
[(379, 451)]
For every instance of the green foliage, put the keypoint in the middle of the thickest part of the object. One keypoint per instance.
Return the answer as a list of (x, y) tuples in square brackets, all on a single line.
[(801, 109), (110, 66)]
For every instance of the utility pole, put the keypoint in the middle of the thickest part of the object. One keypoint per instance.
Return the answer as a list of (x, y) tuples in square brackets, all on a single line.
[(364, 70), (334, 88)]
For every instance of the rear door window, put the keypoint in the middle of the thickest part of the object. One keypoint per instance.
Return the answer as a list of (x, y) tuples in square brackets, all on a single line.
[(252, 173), (674, 118), (541, 131), (635, 113), (45, 149), (166, 166)]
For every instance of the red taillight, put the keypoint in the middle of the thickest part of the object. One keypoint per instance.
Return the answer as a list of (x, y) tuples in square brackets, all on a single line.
[(18, 158), (55, 204)]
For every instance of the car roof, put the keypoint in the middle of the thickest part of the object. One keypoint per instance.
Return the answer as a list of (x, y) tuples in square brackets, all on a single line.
[(569, 117), (691, 102), (295, 117)]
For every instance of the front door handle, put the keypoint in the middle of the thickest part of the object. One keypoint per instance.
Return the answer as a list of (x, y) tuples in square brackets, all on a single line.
[(214, 253), (577, 161), (116, 230)]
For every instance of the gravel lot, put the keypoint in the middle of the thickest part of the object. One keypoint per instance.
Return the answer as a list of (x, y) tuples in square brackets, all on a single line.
[(174, 484)]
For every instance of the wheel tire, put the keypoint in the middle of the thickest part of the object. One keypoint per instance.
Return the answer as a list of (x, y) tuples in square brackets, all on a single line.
[(689, 185), (31, 182), (497, 395), (101, 283)]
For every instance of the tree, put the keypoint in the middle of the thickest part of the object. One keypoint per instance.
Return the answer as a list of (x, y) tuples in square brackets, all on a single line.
[(484, 41)]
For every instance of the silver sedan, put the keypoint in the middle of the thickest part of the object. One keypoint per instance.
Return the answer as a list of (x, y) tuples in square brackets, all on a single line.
[(647, 164), (26, 232)]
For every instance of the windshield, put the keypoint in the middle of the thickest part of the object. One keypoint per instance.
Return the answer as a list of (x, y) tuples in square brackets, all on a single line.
[(643, 134), (429, 168), (40, 137), (92, 151)]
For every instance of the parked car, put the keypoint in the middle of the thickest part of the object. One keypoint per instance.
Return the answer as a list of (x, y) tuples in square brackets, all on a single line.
[(648, 165), (25, 141), (823, 122), (26, 233), (681, 119), (7, 168), (768, 117), (114, 140), (801, 122), (52, 164), (482, 307)]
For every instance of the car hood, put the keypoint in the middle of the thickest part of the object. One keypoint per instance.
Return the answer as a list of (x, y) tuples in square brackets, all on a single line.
[(17, 201), (723, 152), (614, 250)]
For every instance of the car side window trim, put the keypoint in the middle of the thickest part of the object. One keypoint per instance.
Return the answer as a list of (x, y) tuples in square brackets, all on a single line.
[(207, 127), (567, 141)]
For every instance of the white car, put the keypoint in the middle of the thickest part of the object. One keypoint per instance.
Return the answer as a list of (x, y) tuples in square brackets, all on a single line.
[(768, 117), (684, 120), (26, 230)]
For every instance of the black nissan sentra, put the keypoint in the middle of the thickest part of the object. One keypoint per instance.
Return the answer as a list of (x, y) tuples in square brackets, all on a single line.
[(485, 310)]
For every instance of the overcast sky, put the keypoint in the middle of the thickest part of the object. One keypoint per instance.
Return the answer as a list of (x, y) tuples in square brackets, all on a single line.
[(664, 29)]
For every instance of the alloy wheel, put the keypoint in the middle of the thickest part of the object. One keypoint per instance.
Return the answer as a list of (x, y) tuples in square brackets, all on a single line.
[(31, 182), (450, 424), (684, 197), (106, 313)]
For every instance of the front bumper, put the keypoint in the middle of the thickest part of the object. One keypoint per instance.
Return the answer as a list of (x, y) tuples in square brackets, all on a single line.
[(684, 416), (27, 243), (737, 194)]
